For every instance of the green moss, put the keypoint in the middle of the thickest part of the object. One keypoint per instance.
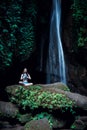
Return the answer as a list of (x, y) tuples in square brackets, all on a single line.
[(35, 97)]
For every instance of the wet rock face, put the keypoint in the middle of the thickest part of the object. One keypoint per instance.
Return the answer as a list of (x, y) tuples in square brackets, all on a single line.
[(67, 26), (76, 60), (77, 78), (41, 124)]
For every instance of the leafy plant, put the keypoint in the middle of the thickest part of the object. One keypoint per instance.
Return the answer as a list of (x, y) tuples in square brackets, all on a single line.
[(34, 97), (82, 37), (44, 115)]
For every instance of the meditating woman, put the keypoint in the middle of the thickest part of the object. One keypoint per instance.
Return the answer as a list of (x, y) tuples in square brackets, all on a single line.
[(25, 77)]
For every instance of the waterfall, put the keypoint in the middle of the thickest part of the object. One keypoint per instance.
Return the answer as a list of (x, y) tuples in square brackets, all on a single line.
[(55, 67)]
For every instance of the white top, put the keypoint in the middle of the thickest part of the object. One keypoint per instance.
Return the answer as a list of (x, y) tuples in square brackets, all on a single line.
[(25, 77)]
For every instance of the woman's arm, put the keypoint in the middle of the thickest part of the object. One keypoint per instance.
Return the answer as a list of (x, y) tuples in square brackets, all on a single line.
[(29, 77), (21, 78)]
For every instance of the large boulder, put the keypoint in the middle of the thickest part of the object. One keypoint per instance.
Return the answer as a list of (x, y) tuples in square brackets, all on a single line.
[(40, 96), (41, 124), (12, 89), (56, 88), (59, 123), (13, 128), (80, 100), (8, 109), (23, 118), (58, 85), (80, 123)]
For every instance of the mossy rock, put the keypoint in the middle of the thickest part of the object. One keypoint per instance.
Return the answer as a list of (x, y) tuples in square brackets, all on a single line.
[(41, 124), (23, 118), (35, 97), (58, 85)]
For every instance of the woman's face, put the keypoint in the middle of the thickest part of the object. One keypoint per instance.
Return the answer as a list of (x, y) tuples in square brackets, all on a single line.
[(25, 70)]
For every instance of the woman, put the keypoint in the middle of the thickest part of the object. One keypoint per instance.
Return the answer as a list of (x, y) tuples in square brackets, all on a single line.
[(25, 77)]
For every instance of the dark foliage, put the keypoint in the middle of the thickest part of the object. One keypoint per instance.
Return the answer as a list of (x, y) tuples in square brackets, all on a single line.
[(79, 8), (17, 30)]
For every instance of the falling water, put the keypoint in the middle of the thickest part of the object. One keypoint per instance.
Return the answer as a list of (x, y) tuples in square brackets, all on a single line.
[(55, 61)]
